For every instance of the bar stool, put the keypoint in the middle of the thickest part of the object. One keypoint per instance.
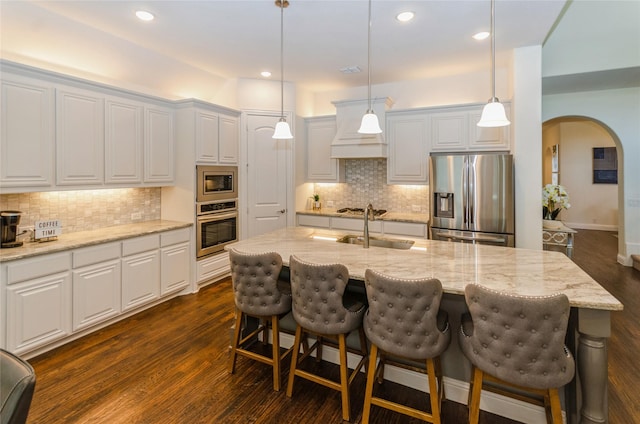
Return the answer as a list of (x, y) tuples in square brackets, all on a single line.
[(406, 328), (321, 308), (518, 343), (259, 294)]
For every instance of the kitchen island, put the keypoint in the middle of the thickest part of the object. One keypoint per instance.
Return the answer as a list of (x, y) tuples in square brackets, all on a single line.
[(512, 270)]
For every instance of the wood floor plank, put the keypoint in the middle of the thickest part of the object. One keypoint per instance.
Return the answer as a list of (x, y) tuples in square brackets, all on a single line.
[(169, 365)]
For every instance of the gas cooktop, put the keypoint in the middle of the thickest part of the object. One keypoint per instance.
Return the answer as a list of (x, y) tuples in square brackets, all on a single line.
[(360, 211)]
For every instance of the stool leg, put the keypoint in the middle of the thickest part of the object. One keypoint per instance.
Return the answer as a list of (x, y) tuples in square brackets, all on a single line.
[(235, 342), (474, 403), (434, 394), (344, 378), (275, 330), (294, 360), (371, 376), (556, 410)]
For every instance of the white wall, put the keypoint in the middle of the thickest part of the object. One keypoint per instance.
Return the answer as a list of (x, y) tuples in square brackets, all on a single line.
[(617, 110)]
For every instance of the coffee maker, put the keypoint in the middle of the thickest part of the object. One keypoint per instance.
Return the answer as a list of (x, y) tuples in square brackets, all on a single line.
[(9, 221)]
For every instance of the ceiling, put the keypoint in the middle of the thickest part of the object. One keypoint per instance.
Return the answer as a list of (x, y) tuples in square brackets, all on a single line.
[(218, 40)]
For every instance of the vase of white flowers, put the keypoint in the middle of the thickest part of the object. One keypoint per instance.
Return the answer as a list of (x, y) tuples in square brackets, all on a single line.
[(554, 199)]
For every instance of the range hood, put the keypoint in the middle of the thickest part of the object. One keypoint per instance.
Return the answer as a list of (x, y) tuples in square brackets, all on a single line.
[(348, 143)]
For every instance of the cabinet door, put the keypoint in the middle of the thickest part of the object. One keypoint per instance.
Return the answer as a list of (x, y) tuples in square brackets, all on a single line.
[(140, 279), (212, 267), (26, 133), (79, 137), (407, 136), (174, 274), (207, 133), (158, 145), (229, 136), (96, 293), (123, 141), (483, 138), (449, 130), (38, 312), (320, 165)]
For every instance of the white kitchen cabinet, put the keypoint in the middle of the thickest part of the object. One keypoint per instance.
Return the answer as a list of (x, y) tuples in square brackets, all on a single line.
[(320, 166), (408, 140), (159, 159), (355, 224), (229, 139), (140, 271), (412, 229), (314, 221), (207, 136), (449, 130), (38, 296), (486, 138), (79, 137), (175, 259), (27, 132), (96, 284), (212, 267), (124, 131)]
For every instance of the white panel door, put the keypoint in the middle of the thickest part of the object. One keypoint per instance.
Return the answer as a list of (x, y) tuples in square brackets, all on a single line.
[(96, 293), (123, 141), (268, 170)]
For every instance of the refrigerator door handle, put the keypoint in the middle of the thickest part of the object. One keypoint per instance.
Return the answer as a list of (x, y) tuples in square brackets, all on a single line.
[(474, 238), (465, 191), (471, 191)]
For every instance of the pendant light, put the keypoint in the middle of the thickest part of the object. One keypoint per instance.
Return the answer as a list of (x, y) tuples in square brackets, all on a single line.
[(282, 130), (493, 114), (369, 124)]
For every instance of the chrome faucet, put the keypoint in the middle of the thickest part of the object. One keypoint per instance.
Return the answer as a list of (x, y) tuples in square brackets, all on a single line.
[(367, 210)]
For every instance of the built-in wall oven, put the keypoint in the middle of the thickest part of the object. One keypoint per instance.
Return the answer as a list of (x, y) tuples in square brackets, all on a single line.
[(216, 226), (216, 183)]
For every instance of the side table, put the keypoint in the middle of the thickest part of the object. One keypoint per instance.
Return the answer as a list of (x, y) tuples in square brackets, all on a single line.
[(562, 236)]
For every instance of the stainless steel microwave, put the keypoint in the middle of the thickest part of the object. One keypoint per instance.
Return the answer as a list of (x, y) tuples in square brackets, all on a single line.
[(216, 183)]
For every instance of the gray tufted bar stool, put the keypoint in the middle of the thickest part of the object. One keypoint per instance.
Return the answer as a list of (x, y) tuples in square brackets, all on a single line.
[(516, 342), (406, 328), (259, 294), (322, 308)]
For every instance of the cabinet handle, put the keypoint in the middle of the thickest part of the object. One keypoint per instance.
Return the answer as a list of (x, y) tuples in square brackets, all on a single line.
[(282, 210)]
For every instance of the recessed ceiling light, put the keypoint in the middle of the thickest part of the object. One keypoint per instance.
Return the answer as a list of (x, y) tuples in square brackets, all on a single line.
[(481, 35), (143, 15), (354, 69), (405, 16), (265, 74)]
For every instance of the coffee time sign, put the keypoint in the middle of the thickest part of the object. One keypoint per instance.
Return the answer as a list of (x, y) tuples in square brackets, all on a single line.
[(46, 229)]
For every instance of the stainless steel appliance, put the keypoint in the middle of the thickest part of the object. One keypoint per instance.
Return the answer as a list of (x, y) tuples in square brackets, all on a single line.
[(472, 198), (9, 221), (216, 183), (216, 226)]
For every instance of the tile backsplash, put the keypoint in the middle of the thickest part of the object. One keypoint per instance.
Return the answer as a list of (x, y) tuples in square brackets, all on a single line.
[(366, 182), (86, 209)]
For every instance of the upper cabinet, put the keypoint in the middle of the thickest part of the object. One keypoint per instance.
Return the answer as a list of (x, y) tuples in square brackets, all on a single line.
[(124, 132), (27, 132), (159, 165), (320, 166), (407, 137), (214, 130)]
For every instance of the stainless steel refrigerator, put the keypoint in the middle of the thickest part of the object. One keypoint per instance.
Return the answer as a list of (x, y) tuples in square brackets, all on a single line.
[(472, 198)]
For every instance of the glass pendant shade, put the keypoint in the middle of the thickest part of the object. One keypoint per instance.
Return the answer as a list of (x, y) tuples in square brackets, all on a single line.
[(493, 115), (369, 124), (282, 132)]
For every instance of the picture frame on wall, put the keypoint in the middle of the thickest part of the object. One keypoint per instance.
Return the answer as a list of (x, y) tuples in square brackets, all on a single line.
[(555, 153), (605, 165)]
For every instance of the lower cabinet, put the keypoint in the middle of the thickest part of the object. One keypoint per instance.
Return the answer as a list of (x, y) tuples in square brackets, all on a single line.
[(53, 296), (397, 228), (212, 267)]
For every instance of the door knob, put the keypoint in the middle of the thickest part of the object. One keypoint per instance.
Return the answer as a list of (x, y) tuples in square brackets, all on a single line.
[(282, 210)]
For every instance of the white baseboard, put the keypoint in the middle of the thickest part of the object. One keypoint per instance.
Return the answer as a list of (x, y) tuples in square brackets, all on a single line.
[(455, 390)]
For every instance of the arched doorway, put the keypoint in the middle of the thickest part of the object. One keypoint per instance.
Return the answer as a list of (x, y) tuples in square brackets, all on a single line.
[(596, 203)]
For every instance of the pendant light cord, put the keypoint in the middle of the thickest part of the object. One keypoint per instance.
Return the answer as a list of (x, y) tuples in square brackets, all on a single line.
[(282, 58), (493, 51), (369, 59)]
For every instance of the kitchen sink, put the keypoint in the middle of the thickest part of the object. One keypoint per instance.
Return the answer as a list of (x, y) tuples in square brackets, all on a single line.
[(377, 241)]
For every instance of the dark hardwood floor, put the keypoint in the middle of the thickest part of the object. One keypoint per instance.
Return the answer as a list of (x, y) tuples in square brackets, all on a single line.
[(169, 365)]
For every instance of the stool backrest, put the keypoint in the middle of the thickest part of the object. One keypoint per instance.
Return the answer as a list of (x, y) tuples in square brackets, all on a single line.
[(254, 278), (17, 383), (520, 339), (317, 292), (403, 316)]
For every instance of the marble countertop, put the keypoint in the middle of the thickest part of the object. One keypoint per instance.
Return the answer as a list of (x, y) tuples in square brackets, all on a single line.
[(515, 270), (88, 238), (420, 218)]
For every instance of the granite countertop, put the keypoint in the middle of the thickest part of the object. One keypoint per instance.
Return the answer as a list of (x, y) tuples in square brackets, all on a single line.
[(88, 238), (514, 270), (420, 218)]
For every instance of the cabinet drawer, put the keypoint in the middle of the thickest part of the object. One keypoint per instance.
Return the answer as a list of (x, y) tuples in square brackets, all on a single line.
[(28, 269), (355, 224), (140, 244), (212, 267), (405, 228), (93, 255), (314, 221), (174, 237)]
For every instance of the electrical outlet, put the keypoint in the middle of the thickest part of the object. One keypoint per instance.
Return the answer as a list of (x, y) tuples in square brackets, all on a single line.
[(136, 216), (329, 203), (416, 208)]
